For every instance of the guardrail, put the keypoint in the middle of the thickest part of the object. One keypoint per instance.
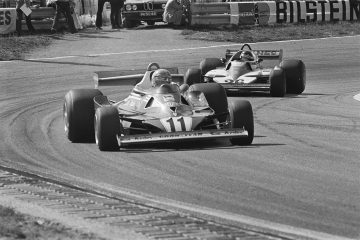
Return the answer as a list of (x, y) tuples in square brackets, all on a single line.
[(273, 12)]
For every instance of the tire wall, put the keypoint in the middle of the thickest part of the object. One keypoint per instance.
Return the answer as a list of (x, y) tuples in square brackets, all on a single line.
[(274, 12)]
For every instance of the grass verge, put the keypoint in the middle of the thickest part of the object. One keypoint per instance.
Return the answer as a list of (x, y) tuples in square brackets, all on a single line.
[(13, 47), (18, 226), (251, 34)]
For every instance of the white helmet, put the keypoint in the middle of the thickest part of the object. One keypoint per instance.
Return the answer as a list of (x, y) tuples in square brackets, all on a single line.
[(160, 76), (247, 56)]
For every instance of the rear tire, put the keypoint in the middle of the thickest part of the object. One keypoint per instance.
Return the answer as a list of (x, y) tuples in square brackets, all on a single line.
[(209, 64), (277, 82), (216, 96), (295, 73), (241, 115), (78, 113), (192, 75), (107, 127)]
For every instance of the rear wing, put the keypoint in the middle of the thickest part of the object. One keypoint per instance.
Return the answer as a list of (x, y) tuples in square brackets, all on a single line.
[(102, 79), (263, 54), (124, 78)]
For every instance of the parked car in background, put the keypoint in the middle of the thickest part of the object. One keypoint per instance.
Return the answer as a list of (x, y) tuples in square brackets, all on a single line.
[(149, 11)]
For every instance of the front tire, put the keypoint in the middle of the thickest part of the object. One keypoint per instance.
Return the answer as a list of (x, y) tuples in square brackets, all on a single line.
[(107, 127), (241, 115), (295, 73), (78, 113), (216, 97)]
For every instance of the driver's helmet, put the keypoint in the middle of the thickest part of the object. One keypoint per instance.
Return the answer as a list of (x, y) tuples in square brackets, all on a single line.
[(159, 77), (246, 56)]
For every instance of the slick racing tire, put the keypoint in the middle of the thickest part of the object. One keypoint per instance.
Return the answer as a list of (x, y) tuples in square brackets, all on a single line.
[(216, 97), (277, 82), (295, 75), (241, 115), (107, 127), (78, 113), (209, 64), (192, 75)]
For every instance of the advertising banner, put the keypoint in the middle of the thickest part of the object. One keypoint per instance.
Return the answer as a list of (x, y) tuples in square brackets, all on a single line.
[(312, 11), (275, 12), (242, 13), (262, 13), (7, 20)]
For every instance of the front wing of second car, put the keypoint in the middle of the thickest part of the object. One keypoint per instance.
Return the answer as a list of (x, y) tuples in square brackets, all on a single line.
[(257, 80)]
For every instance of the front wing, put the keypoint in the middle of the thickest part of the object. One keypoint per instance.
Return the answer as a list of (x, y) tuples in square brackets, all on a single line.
[(180, 136)]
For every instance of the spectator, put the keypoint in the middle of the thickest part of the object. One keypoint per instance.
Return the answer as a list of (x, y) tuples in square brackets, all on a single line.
[(115, 14), (19, 17), (176, 12), (66, 7), (100, 9)]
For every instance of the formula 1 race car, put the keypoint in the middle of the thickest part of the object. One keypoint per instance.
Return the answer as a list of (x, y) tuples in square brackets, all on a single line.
[(153, 114), (252, 70)]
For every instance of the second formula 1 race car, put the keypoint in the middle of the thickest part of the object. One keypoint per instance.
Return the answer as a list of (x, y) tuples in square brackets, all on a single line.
[(158, 109), (252, 70)]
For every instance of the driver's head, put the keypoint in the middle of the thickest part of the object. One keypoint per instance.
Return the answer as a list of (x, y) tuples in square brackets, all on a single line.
[(160, 76), (247, 56)]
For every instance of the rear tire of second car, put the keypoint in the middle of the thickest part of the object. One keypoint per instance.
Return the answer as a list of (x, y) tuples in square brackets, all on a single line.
[(295, 73), (277, 82), (209, 64), (192, 76)]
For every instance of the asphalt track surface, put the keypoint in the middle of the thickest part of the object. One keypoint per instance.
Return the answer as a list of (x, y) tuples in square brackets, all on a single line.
[(302, 169)]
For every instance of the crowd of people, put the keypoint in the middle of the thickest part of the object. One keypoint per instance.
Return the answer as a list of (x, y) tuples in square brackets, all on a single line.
[(115, 13), (175, 14)]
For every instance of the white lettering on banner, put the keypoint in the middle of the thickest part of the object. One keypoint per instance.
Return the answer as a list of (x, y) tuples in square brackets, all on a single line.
[(312, 11), (246, 14), (7, 20)]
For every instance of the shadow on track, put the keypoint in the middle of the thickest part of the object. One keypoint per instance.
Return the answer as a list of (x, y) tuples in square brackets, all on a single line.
[(68, 63)]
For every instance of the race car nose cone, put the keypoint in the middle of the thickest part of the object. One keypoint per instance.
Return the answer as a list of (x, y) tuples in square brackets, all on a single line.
[(238, 68)]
